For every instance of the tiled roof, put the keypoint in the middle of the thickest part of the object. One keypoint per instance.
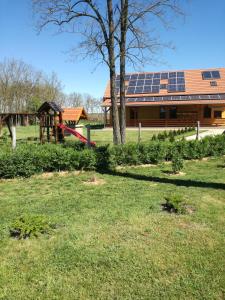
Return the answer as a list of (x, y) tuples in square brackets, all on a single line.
[(74, 114)]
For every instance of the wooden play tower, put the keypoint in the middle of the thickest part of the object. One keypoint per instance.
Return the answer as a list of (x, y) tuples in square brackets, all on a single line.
[(55, 120)]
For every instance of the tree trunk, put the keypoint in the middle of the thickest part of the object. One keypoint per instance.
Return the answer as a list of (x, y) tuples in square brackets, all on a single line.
[(112, 67), (123, 32)]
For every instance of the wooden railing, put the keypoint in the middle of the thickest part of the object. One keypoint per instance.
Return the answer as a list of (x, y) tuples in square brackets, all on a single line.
[(162, 122), (174, 122)]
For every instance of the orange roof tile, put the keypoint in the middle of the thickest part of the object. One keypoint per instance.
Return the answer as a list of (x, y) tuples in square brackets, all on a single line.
[(74, 114)]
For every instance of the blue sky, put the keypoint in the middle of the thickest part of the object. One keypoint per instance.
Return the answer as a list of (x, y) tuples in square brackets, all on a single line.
[(199, 42)]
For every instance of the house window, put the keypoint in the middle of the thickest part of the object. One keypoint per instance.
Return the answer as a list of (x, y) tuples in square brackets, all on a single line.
[(218, 114), (173, 112), (213, 83), (207, 112), (133, 114), (162, 112)]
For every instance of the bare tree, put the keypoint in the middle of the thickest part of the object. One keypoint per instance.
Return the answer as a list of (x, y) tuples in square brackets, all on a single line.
[(112, 30), (22, 88)]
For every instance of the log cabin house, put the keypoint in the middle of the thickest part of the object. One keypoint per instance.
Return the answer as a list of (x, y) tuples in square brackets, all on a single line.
[(172, 98)]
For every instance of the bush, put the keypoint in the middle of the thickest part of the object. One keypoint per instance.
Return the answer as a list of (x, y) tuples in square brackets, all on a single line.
[(27, 226), (28, 159), (175, 204), (177, 163)]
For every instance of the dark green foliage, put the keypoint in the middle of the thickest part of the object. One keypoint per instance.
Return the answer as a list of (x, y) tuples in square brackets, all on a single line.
[(104, 159), (175, 204), (177, 163), (27, 226), (154, 137), (171, 134)]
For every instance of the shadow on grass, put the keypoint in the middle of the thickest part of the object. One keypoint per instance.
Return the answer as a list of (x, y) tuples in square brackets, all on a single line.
[(175, 181)]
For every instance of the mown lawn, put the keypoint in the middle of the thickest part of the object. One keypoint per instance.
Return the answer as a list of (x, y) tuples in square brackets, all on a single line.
[(113, 241)]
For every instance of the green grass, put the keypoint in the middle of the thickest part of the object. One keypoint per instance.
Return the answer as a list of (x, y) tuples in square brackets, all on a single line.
[(113, 241)]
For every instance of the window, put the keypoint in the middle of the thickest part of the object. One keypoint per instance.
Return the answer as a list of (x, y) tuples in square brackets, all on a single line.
[(133, 114), (210, 75), (213, 83), (162, 112), (207, 112), (218, 114), (173, 112)]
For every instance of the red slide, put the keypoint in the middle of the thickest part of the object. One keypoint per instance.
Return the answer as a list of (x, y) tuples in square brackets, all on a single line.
[(76, 134)]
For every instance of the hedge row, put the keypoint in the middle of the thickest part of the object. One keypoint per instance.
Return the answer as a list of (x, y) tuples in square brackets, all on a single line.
[(27, 160)]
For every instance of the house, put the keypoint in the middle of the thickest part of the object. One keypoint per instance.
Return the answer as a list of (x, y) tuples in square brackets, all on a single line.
[(172, 98)]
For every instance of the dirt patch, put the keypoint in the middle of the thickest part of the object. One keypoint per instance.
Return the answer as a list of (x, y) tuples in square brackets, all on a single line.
[(94, 181), (60, 174), (170, 173), (135, 166)]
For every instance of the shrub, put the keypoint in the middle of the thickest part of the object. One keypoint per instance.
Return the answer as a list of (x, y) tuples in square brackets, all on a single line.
[(177, 163), (87, 159), (27, 226), (104, 159), (175, 204)]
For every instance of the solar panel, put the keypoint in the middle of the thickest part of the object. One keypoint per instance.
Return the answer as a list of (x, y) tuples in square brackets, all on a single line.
[(211, 75), (180, 87), (180, 80), (215, 74), (141, 76), (163, 86), (164, 75), (149, 76), (156, 81), (138, 90), (177, 98), (147, 89), (180, 74), (132, 83), (134, 76), (140, 82), (155, 89), (148, 81), (127, 77), (156, 75), (130, 90), (171, 88), (172, 81), (172, 74)]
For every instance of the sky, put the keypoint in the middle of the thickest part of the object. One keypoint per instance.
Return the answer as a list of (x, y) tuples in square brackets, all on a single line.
[(199, 42)]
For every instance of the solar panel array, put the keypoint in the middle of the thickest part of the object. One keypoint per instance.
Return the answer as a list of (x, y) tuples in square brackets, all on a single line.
[(177, 98), (152, 83), (211, 75)]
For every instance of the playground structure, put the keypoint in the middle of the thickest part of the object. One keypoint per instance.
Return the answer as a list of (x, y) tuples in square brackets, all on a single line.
[(56, 121)]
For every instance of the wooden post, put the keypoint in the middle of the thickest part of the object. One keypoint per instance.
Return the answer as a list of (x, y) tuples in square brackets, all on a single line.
[(88, 136), (198, 130), (13, 136), (139, 132), (105, 116)]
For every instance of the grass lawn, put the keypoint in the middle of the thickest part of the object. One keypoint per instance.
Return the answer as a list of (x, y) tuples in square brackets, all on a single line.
[(113, 241)]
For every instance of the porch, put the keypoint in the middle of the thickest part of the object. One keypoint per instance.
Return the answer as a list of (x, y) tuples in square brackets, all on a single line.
[(174, 116)]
